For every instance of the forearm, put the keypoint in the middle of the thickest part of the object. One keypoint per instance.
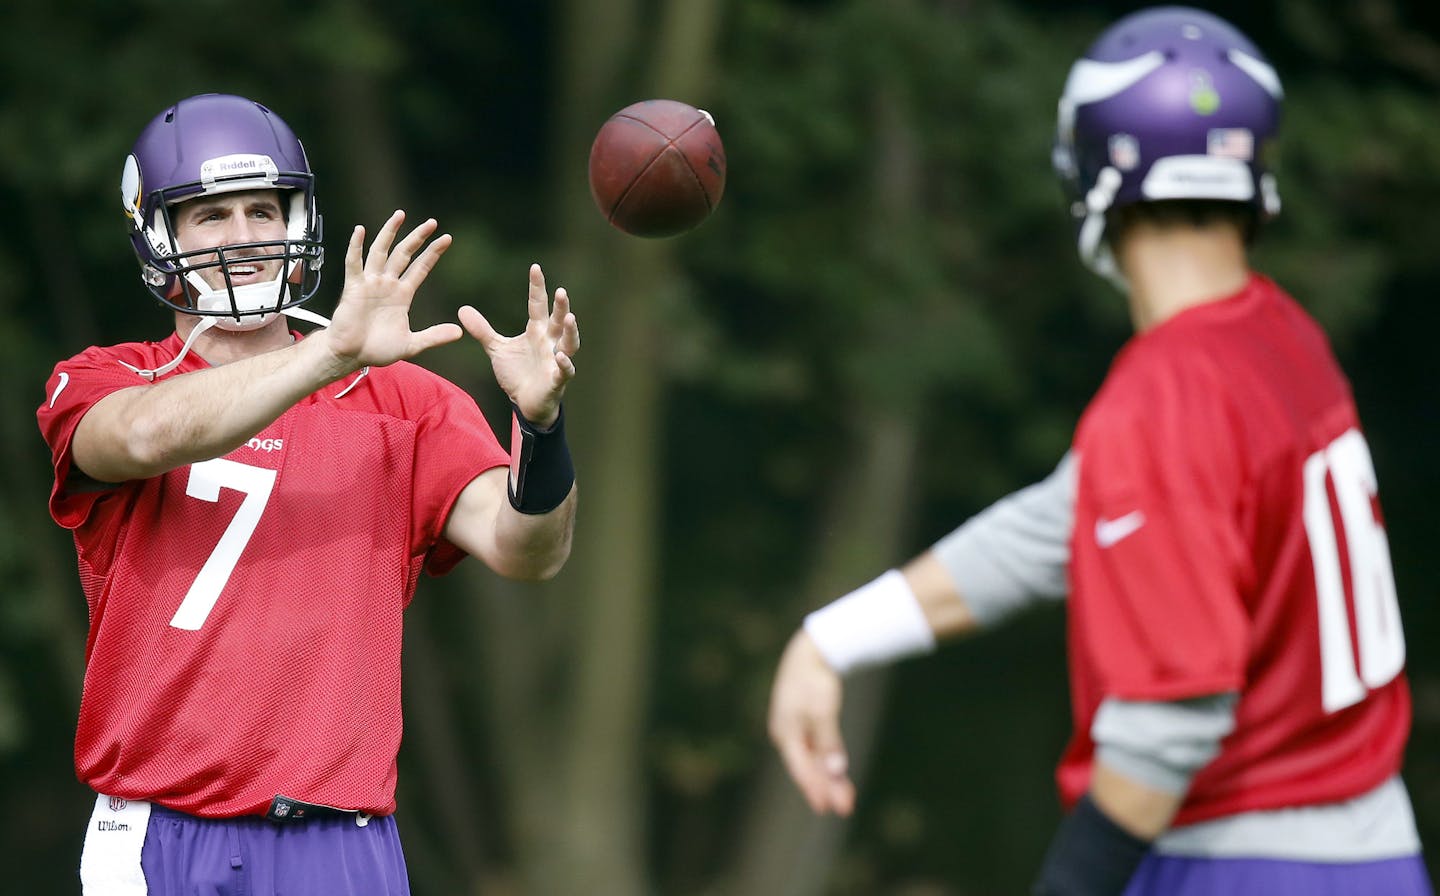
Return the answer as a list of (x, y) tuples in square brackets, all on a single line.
[(145, 431), (1008, 556), (520, 520), (945, 609), (533, 546), (1142, 810), (901, 613)]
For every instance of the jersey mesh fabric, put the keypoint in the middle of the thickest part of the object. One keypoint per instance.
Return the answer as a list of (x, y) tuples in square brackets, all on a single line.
[(1191, 566), (290, 684)]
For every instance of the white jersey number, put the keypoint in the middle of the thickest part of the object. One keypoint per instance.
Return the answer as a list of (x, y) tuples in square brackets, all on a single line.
[(206, 480), (1346, 464)]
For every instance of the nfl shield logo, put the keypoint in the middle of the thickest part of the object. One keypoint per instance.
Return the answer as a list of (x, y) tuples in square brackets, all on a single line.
[(1124, 151), (117, 803)]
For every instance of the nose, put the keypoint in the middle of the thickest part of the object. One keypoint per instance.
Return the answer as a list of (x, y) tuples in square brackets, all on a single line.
[(241, 229)]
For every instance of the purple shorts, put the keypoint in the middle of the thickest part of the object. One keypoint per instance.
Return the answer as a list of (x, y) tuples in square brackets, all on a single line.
[(1182, 876), (250, 856)]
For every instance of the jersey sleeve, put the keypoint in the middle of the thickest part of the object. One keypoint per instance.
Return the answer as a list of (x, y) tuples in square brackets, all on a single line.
[(1016, 552), (1158, 558), (74, 387), (454, 444)]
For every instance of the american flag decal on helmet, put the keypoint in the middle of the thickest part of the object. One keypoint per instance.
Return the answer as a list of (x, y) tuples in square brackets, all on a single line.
[(1231, 143)]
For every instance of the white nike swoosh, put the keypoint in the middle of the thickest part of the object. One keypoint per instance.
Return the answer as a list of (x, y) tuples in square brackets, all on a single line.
[(64, 381), (1111, 532)]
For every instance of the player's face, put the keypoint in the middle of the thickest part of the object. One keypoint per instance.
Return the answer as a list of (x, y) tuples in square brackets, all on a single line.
[(252, 216)]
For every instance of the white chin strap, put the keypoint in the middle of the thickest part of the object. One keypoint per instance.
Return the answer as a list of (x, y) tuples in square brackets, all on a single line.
[(250, 300), (1094, 248)]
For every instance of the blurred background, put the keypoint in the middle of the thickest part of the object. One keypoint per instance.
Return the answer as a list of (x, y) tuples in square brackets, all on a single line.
[(882, 329)]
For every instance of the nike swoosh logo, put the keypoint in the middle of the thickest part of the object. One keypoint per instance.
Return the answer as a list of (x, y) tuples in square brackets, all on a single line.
[(64, 381), (1110, 532)]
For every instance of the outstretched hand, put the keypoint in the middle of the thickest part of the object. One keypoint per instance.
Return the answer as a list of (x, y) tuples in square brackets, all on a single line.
[(371, 325), (534, 367), (805, 727)]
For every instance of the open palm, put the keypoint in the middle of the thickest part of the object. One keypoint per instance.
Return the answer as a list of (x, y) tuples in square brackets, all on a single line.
[(371, 325), (535, 366)]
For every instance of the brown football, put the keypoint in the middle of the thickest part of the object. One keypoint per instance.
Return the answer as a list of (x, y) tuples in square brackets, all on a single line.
[(657, 168)]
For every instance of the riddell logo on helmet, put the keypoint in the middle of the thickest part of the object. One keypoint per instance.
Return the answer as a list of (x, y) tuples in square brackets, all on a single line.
[(238, 165), (241, 165), (265, 444)]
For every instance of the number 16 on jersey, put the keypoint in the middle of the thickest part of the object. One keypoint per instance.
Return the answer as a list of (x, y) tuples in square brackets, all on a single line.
[(1349, 672)]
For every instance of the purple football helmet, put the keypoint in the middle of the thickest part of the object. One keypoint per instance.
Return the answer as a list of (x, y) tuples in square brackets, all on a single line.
[(1168, 103), (203, 146)]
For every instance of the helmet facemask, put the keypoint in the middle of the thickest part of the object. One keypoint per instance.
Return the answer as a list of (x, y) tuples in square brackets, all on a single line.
[(178, 279)]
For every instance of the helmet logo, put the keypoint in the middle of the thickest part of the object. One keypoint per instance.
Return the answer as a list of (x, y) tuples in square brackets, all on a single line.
[(1203, 97), (130, 189), (1124, 151)]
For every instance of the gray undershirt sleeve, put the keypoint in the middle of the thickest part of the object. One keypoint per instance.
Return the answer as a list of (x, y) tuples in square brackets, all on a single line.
[(1162, 744), (1015, 552)]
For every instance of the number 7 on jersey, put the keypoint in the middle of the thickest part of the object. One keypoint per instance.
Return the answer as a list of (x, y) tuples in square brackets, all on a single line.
[(206, 480)]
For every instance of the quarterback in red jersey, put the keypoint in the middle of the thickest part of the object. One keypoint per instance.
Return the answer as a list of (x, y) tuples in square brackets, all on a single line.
[(1235, 647), (1221, 467), (252, 509)]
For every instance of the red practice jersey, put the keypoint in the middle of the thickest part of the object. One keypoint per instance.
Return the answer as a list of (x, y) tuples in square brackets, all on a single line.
[(245, 612), (1228, 538)]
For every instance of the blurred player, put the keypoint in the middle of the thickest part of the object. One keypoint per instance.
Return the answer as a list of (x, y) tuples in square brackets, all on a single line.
[(252, 509), (1236, 655)]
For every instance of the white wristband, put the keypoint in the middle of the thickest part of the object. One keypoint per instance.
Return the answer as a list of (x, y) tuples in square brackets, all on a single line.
[(876, 623)]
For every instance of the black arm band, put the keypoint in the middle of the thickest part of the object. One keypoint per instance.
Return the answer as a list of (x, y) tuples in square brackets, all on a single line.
[(1090, 856), (541, 472)]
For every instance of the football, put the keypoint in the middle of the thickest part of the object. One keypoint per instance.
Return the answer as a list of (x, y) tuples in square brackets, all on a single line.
[(657, 168)]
